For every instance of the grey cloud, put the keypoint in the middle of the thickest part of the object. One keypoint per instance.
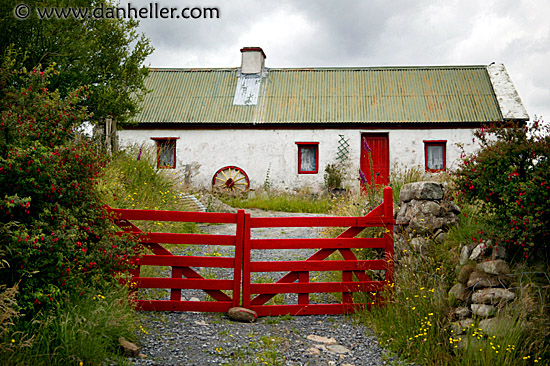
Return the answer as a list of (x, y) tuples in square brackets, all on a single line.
[(367, 33)]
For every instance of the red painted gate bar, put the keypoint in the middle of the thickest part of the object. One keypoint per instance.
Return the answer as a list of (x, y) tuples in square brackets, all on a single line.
[(298, 281), (256, 296), (183, 276)]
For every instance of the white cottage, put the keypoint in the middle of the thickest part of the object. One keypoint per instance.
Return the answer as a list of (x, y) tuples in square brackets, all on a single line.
[(239, 127)]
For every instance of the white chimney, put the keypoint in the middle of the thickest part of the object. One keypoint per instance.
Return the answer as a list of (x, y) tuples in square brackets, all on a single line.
[(253, 60)]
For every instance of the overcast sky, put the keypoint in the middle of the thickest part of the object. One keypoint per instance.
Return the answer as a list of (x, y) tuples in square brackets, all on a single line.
[(302, 33)]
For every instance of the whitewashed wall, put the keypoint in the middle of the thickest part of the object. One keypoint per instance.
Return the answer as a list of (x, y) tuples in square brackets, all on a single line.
[(257, 150)]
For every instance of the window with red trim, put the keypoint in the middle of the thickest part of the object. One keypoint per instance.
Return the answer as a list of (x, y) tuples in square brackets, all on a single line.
[(308, 157), (435, 153), (166, 152)]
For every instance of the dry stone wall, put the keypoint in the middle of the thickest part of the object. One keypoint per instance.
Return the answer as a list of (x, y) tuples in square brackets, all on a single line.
[(483, 288), (426, 213)]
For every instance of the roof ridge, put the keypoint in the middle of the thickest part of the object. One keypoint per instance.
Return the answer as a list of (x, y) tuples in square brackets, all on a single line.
[(325, 68)]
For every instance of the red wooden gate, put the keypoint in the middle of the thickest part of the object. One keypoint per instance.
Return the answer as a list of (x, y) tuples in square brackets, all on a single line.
[(297, 280), (183, 276)]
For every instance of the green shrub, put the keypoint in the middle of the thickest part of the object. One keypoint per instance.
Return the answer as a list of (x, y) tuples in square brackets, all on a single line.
[(510, 178), (56, 236), (334, 174)]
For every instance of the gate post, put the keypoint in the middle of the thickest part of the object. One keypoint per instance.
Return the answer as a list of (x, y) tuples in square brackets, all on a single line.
[(238, 267), (246, 261), (388, 219)]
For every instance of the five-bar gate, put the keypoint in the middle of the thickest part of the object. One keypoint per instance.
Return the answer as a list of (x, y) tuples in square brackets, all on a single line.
[(224, 293)]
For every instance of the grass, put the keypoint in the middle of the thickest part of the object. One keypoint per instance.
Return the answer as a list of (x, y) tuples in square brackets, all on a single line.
[(138, 184), (416, 323), (267, 350), (281, 201), (81, 331)]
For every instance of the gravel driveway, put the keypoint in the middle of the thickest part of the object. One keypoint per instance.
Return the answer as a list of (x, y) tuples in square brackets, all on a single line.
[(183, 338)]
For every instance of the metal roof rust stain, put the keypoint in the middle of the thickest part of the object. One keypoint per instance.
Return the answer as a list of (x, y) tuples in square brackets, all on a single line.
[(333, 95)]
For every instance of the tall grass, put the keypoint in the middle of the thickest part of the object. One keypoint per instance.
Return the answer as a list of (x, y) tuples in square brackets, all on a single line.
[(139, 184), (81, 331), (132, 183), (416, 322), (281, 201)]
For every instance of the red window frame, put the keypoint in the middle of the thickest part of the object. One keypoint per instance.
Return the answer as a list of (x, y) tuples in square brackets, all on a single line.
[(443, 144), (308, 145), (159, 142)]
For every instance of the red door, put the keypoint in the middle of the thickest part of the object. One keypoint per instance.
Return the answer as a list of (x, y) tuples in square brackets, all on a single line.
[(375, 151)]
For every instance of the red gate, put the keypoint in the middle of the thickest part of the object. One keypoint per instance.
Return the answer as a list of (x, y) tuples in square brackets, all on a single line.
[(183, 276), (296, 281)]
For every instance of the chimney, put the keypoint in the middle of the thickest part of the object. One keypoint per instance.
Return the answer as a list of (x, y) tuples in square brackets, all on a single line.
[(253, 60)]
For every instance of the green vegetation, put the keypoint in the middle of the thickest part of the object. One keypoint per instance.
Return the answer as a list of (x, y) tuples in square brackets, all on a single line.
[(132, 180), (281, 201), (57, 243), (416, 322), (55, 235), (107, 56), (83, 330), (509, 178), (334, 175), (60, 301)]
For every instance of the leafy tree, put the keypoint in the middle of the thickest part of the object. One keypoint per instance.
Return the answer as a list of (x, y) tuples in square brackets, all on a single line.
[(54, 232), (107, 55), (510, 178)]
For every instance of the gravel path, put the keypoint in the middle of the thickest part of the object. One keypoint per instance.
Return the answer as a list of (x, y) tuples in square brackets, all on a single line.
[(182, 338)]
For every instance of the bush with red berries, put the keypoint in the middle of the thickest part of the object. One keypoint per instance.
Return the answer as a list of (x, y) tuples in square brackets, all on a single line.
[(55, 235), (510, 179)]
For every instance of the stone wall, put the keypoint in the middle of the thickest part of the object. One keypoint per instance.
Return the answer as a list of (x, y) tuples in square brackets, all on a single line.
[(426, 213), (483, 288)]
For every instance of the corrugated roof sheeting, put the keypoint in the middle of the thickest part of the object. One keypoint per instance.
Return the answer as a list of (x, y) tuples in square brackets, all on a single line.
[(337, 95)]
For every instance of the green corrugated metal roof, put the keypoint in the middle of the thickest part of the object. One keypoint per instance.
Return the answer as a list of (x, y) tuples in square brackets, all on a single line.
[(324, 95)]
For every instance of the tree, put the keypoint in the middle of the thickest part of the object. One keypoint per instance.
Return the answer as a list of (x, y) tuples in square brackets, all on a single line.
[(106, 55), (54, 232), (509, 177)]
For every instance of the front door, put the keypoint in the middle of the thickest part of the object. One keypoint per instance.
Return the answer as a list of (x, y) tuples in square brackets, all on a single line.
[(375, 158)]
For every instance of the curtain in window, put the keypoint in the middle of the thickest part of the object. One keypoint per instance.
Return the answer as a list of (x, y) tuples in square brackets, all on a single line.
[(435, 157), (308, 163)]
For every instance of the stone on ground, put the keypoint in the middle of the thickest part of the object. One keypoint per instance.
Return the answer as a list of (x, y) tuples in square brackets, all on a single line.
[(321, 339), (129, 349), (242, 315)]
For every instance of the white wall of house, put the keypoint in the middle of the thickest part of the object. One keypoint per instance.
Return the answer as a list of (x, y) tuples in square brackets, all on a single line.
[(263, 152)]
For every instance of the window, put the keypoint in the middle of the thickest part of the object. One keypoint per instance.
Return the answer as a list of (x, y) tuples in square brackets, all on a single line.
[(436, 155), (308, 157), (166, 152)]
